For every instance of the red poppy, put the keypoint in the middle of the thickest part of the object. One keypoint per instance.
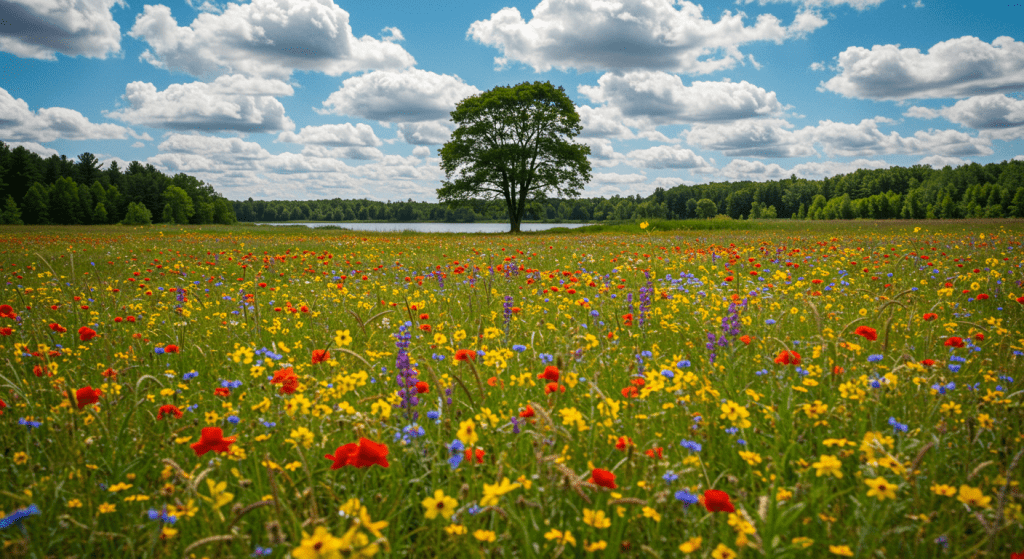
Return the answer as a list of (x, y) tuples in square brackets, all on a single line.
[(638, 382), (479, 455), (553, 387), (169, 410), (320, 355), (604, 478), (1020, 299), (424, 316), (717, 501), (118, 319), (171, 349), (1017, 555), (655, 453), (212, 438), (623, 443), (6, 311), (57, 328), (630, 392), (929, 316), (222, 391), (6, 331), (837, 370), (3, 405), (86, 396), (627, 319), (927, 362), (363, 455), (37, 371), (981, 297), (866, 332), (130, 319), (422, 387), (288, 380), (788, 358), (550, 374), (465, 355), (425, 327), (745, 339), (528, 412), (954, 341), (342, 455)]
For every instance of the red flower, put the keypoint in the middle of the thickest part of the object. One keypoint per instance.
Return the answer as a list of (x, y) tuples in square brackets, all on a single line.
[(745, 339), (655, 453), (288, 380), (479, 455), (118, 319), (927, 362), (38, 371), (528, 412), (320, 355), (363, 455), (171, 349), (6, 311), (86, 396), (604, 478), (623, 443), (954, 341), (630, 392), (867, 333), (57, 328), (424, 316), (929, 316), (465, 355), (788, 358), (1020, 299), (6, 331), (425, 327), (3, 405), (130, 319), (422, 387), (212, 438), (627, 319), (550, 374), (169, 410), (717, 501), (553, 387), (222, 391)]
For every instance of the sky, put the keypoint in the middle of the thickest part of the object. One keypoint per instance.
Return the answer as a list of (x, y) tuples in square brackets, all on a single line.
[(315, 99)]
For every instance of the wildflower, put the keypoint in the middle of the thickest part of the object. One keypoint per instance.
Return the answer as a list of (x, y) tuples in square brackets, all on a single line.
[(321, 545), (972, 496), (107, 507), (652, 514), (599, 545), (954, 341), (690, 445), (881, 488), (212, 438), (85, 333), (553, 387), (455, 529), (786, 357), (597, 519), (467, 432), (929, 316), (843, 550), (465, 355), (362, 455), (528, 412), (288, 380), (657, 453), (171, 348), (867, 333), (20, 458), (687, 498), (485, 535), (320, 355), (828, 465), (691, 545), (87, 395), (623, 443), (16, 517), (604, 478), (550, 374), (717, 501), (168, 409), (723, 552), (943, 490), (439, 504), (562, 537), (479, 455)]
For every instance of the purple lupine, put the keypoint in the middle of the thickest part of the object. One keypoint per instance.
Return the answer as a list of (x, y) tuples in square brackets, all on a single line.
[(406, 378)]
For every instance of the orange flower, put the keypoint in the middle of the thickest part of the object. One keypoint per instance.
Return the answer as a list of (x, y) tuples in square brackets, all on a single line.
[(528, 412), (553, 387), (623, 443), (320, 355), (788, 358)]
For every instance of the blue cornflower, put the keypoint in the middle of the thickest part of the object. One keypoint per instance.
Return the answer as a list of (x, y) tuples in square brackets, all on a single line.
[(159, 350), (434, 415), (668, 374), (732, 430), (233, 419), (897, 426), (670, 476), (770, 321), (690, 445), (16, 517), (683, 364), (954, 368), (687, 498), (741, 442), (29, 424), (875, 357), (456, 449), (519, 348), (261, 551), (189, 375), (546, 358)]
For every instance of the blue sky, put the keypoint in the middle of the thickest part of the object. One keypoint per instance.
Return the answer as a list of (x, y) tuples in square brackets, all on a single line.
[(307, 99)]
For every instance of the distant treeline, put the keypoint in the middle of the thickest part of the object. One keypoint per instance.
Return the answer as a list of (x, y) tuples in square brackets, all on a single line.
[(60, 191), (918, 192)]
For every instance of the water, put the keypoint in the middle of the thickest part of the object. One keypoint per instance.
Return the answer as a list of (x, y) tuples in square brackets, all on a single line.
[(438, 227)]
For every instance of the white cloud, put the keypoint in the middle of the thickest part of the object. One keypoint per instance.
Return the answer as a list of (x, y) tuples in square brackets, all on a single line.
[(41, 29), (864, 138), (657, 98), (602, 153), (996, 116), (38, 149), (19, 123), (337, 135), (410, 96), (271, 38), (741, 169), (1018, 157), (603, 122), (666, 157), (954, 68), (235, 103), (817, 4), (751, 138), (818, 66), (421, 151), (629, 35), (939, 161), (138, 145), (431, 133)]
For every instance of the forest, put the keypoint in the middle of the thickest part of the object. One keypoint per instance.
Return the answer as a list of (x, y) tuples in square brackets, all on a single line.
[(58, 190)]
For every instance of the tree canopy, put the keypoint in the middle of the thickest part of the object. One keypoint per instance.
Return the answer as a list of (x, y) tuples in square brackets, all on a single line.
[(514, 144)]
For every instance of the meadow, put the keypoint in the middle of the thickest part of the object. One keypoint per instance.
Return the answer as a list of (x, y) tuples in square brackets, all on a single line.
[(850, 389)]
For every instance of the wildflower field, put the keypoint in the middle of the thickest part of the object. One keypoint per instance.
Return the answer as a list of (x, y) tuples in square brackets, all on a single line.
[(793, 391)]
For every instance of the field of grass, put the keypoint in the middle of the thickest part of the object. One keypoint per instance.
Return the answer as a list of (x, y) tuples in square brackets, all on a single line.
[(785, 389)]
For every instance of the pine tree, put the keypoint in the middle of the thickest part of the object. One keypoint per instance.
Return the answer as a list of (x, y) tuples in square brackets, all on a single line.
[(10, 215)]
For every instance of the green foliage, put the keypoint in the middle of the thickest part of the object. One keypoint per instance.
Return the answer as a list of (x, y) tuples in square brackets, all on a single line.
[(10, 215), (138, 214), (99, 214), (706, 208), (178, 208), (514, 144)]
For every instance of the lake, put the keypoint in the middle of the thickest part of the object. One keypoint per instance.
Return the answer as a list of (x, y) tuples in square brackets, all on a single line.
[(437, 227)]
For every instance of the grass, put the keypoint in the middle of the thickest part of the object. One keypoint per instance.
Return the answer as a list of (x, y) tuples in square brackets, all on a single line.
[(900, 446)]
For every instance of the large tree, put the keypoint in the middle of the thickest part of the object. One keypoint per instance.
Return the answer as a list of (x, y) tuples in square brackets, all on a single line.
[(514, 144)]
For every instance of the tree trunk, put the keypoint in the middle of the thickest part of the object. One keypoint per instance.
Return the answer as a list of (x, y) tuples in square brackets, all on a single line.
[(515, 225)]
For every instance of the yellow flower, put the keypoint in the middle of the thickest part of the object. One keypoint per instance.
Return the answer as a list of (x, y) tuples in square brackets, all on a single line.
[(828, 465), (455, 529), (943, 490), (597, 519), (321, 545), (218, 496), (342, 338), (293, 466), (802, 542), (596, 546), (723, 552), (690, 545), (562, 537), (119, 487), (467, 433), (74, 504), (107, 507), (493, 491), (485, 535), (973, 496), (20, 458), (735, 413), (644, 224), (440, 339), (439, 504), (652, 514), (881, 488), (783, 494), (843, 550), (301, 436), (167, 533), (752, 458)]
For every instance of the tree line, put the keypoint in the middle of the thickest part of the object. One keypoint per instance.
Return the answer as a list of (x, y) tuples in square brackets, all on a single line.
[(60, 191)]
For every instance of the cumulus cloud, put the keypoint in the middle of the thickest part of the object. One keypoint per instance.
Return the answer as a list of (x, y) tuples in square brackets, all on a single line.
[(38, 149), (995, 116), (742, 169), (270, 38), (236, 103), (864, 138), (35, 29), (667, 157), (647, 98), (940, 161), (602, 153), (860, 5), (629, 35), (751, 138), (955, 68), (603, 122), (431, 133), (335, 135), (409, 96), (18, 123)]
